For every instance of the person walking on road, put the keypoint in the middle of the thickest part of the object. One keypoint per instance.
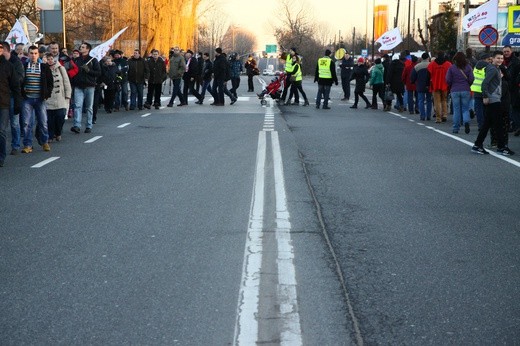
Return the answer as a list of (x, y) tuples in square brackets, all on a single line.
[(59, 101), (325, 75), (361, 76), (10, 95), (191, 73), (459, 79), (296, 85), (421, 78), (176, 71), (138, 73), (438, 70), (236, 70), (377, 82), (36, 88), (491, 97), (157, 68), (220, 71), (84, 85), (346, 67), (252, 70)]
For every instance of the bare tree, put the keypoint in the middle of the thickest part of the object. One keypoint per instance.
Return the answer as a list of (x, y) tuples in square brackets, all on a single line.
[(211, 30), (238, 40), (10, 11)]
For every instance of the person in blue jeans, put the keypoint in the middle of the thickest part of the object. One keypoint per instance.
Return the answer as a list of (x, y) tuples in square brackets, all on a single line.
[(121, 99), (421, 78), (138, 73), (325, 75), (459, 78)]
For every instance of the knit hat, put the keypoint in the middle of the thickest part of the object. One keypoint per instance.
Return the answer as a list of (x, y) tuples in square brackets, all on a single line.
[(484, 55), (327, 52), (218, 50), (360, 59)]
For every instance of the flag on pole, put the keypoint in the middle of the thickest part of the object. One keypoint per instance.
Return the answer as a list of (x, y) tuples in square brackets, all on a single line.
[(100, 51), (390, 39), (16, 35), (485, 14)]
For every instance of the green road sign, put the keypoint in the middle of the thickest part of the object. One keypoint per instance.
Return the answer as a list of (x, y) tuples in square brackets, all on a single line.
[(271, 48)]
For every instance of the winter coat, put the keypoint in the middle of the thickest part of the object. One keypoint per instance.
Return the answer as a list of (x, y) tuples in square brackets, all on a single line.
[(89, 71), (505, 101), (250, 66), (220, 67), (62, 90), (438, 70), (138, 70), (346, 67), (122, 66), (407, 73), (361, 76), (395, 74), (377, 74), (111, 76), (177, 67), (193, 70), (46, 83), (492, 84), (9, 86), (18, 67), (207, 70), (420, 76), (513, 70), (157, 70), (460, 80)]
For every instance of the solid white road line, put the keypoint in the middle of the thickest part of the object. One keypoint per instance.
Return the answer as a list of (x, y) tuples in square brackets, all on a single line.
[(44, 162), (123, 125), (145, 115), (291, 333), (246, 327), (93, 139)]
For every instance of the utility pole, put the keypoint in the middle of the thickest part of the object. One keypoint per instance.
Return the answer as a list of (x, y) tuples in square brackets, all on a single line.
[(409, 16), (466, 34)]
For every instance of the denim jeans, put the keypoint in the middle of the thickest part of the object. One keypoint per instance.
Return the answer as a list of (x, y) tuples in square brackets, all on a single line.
[(122, 96), (206, 85), (55, 121), (83, 97), (40, 111), (412, 100), (177, 92), (218, 91), (425, 105), (460, 101), (4, 123), (14, 119), (323, 92), (136, 95), (479, 111)]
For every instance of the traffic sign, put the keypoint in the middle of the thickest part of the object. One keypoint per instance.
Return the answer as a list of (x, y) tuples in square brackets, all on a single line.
[(488, 36), (364, 53), (271, 48), (511, 39)]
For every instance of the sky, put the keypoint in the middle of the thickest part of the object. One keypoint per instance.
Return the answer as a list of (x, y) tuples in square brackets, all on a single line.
[(340, 15)]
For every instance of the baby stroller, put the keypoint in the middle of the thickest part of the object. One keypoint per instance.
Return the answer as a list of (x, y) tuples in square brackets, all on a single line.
[(274, 89)]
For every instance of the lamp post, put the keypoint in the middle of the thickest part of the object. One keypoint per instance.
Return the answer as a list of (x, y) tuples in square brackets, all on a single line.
[(139, 25)]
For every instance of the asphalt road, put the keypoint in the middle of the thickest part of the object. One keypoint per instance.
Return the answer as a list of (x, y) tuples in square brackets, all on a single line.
[(196, 225)]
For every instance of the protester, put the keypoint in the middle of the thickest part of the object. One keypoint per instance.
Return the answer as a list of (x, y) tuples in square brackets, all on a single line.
[(325, 75), (438, 70), (421, 78), (361, 76), (411, 91), (236, 70), (459, 79), (346, 66), (111, 81), (190, 76), (220, 70), (377, 82), (479, 72), (121, 96), (36, 88), (59, 101), (175, 72), (157, 68), (491, 97), (395, 80), (251, 71), (10, 96), (84, 85), (138, 73), (207, 72)]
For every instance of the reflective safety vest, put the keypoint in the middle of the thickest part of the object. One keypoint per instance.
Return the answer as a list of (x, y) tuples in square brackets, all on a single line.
[(298, 75), (288, 63), (479, 74), (324, 68)]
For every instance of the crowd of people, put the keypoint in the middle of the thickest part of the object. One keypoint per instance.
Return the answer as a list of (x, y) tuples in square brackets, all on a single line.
[(40, 86)]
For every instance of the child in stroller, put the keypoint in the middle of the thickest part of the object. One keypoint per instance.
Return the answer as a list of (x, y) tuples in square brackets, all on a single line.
[(274, 89)]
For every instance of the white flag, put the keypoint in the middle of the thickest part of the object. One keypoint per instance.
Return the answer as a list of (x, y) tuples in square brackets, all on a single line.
[(485, 14), (16, 35), (390, 39), (100, 51)]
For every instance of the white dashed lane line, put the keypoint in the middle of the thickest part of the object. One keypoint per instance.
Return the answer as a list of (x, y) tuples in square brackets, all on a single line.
[(145, 115), (123, 125), (44, 162), (93, 139)]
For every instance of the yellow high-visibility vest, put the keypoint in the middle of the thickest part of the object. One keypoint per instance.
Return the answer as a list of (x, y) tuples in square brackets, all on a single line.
[(288, 63), (479, 74), (324, 67)]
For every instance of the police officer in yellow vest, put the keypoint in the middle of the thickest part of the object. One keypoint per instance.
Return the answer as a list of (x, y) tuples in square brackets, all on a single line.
[(288, 69), (479, 71), (325, 75), (296, 84)]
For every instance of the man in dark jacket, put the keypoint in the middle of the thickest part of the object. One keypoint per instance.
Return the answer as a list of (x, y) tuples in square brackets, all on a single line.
[(190, 77), (121, 62), (138, 73), (84, 85), (420, 77), (36, 88), (325, 75), (14, 118), (395, 73), (346, 67), (512, 63), (10, 95), (157, 68), (220, 74), (207, 72)]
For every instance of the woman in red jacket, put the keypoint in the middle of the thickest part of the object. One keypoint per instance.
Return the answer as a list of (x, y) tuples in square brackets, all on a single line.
[(410, 87), (438, 70)]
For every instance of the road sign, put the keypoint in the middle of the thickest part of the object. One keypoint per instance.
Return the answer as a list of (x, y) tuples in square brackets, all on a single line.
[(271, 48), (488, 36), (513, 19), (511, 39), (364, 52)]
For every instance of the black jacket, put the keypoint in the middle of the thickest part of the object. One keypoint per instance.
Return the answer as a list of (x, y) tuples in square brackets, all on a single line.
[(138, 70), (361, 76), (207, 70), (346, 67), (18, 66), (46, 81), (193, 70), (89, 71), (395, 73), (220, 67), (157, 70), (111, 76), (9, 86), (122, 66)]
